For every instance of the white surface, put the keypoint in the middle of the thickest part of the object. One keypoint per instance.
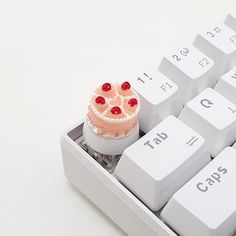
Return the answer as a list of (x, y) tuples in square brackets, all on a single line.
[(212, 116), (53, 54), (198, 201), (154, 175)]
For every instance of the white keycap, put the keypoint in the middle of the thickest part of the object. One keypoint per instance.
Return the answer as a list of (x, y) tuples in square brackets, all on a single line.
[(218, 43), (206, 205), (214, 117), (190, 69), (159, 98), (227, 85), (159, 163), (231, 21)]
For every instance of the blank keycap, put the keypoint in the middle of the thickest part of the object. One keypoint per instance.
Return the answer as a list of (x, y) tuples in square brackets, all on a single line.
[(214, 117), (206, 205), (218, 43), (231, 21), (159, 98), (159, 163), (190, 69), (227, 85)]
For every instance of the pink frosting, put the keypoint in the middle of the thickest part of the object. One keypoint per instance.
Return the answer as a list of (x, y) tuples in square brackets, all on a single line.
[(104, 121)]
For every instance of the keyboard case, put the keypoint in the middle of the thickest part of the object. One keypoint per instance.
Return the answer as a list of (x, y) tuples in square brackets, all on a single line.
[(105, 191)]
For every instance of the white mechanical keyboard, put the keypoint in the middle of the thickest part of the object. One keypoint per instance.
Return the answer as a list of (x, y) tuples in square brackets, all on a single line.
[(179, 178)]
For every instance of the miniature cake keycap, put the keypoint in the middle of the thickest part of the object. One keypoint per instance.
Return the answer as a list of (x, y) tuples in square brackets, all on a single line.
[(111, 124), (113, 110)]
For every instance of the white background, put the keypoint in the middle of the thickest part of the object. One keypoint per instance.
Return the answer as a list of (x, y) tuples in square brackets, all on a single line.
[(52, 55)]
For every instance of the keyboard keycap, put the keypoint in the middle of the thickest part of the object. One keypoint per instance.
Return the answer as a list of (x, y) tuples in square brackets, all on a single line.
[(190, 69), (218, 43), (231, 21), (227, 85), (206, 205), (214, 117), (162, 161), (159, 98), (234, 146)]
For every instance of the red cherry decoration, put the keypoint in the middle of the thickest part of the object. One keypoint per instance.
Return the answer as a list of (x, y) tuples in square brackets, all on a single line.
[(115, 110), (100, 100), (133, 102), (106, 87), (126, 85)]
